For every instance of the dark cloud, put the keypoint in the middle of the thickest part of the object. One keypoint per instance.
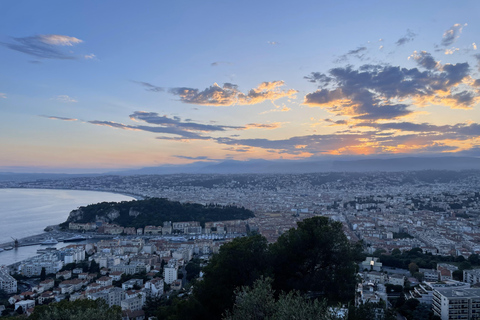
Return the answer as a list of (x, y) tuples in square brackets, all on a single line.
[(299, 144), (371, 91), (60, 118), (337, 122), (409, 36), (217, 63), (44, 46), (229, 94), (149, 86), (477, 57), (155, 118), (358, 53), (182, 134), (424, 59), (181, 130), (202, 158), (457, 131), (452, 34)]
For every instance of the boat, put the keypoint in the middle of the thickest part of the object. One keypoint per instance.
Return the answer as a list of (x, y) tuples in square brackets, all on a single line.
[(8, 248), (49, 242), (75, 238)]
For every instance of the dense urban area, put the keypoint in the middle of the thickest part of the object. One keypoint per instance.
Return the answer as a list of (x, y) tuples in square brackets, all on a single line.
[(419, 232)]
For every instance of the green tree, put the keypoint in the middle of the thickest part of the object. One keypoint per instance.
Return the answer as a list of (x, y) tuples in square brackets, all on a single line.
[(43, 274), (396, 252), (474, 259), (316, 257), (238, 263), (413, 267), (259, 303), (77, 310), (94, 267), (457, 275)]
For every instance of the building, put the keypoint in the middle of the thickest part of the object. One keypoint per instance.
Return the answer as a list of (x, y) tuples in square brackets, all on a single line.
[(457, 303), (170, 273), (132, 304), (7, 282), (430, 275), (371, 264), (471, 276), (25, 304)]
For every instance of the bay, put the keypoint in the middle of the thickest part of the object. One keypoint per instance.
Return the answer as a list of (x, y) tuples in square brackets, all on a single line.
[(26, 212)]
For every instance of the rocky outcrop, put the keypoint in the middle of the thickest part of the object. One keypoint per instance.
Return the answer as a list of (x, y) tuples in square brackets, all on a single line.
[(113, 214), (75, 215), (134, 213)]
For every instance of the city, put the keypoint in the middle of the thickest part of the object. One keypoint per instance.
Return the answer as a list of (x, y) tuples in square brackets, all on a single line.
[(435, 211)]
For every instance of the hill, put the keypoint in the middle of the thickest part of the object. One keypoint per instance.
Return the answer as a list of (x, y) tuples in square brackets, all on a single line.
[(154, 211)]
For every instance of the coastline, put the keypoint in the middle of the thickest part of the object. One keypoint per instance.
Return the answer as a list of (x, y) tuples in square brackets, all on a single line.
[(135, 196), (30, 239)]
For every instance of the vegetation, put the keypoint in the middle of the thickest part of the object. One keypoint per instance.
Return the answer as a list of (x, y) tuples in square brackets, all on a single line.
[(259, 303), (77, 310), (405, 259), (315, 260), (154, 211)]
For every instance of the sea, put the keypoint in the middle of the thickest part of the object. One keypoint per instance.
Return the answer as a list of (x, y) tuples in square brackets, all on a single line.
[(27, 212)]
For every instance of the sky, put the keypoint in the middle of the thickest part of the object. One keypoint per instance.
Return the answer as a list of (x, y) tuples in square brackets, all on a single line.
[(88, 86)]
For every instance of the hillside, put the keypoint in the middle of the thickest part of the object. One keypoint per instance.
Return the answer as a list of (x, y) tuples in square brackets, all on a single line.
[(154, 211)]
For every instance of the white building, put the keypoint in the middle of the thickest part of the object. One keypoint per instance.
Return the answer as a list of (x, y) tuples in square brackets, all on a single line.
[(132, 304), (155, 286), (170, 273), (7, 282), (456, 303), (471, 276)]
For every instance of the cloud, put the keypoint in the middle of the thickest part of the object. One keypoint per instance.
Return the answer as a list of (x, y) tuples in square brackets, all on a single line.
[(3, 95), (155, 118), (374, 92), (181, 133), (409, 36), (301, 144), (229, 94), (337, 122), (89, 56), (65, 98), (217, 63), (182, 130), (58, 40), (60, 118), (269, 126), (201, 158), (358, 53), (451, 51), (452, 34), (273, 43), (149, 86), (424, 59), (45, 46)]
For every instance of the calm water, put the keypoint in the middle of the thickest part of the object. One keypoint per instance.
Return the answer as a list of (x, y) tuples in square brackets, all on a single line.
[(26, 212)]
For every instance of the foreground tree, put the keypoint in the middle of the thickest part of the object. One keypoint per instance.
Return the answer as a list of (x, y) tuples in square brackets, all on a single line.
[(259, 303), (238, 263), (77, 310), (316, 258)]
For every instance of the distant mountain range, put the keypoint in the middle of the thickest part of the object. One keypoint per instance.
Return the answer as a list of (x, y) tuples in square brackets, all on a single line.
[(308, 166), (280, 166)]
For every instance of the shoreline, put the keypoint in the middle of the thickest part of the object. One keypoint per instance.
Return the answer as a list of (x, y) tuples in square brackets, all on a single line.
[(36, 237), (135, 196)]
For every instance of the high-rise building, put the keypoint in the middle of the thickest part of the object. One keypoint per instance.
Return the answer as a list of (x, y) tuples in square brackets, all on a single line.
[(454, 303)]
